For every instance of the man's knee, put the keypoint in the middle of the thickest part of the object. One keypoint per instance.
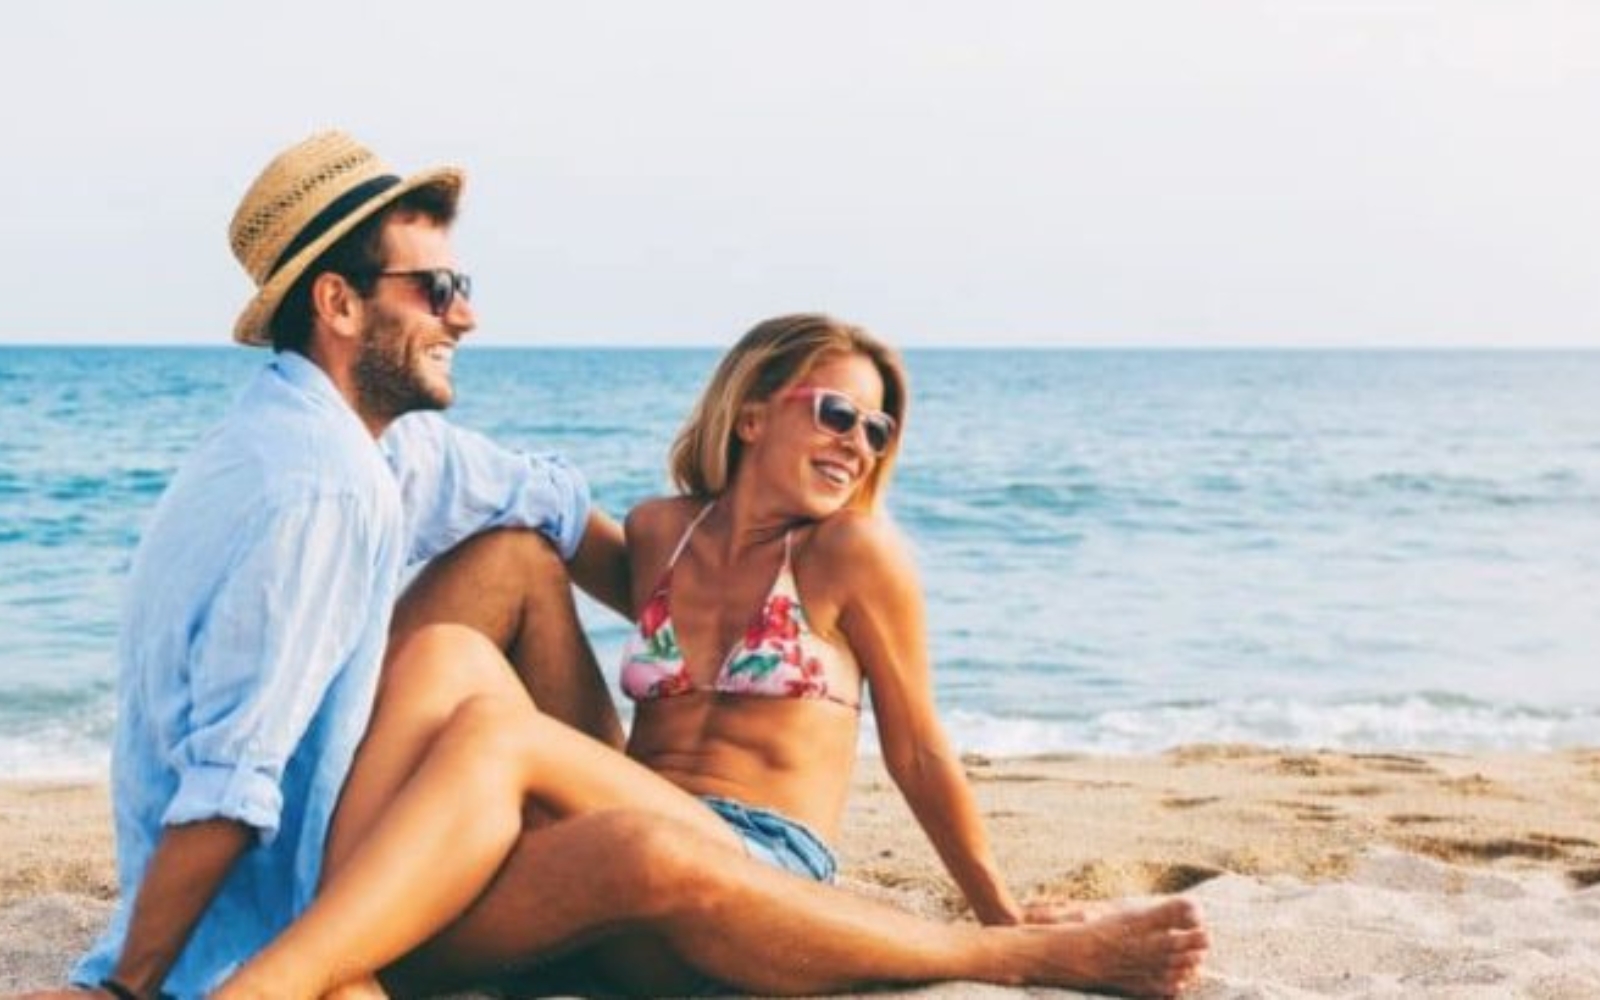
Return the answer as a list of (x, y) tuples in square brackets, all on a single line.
[(519, 552), (490, 582), (662, 865)]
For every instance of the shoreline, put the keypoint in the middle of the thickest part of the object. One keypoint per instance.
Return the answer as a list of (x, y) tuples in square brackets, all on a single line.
[(1322, 872)]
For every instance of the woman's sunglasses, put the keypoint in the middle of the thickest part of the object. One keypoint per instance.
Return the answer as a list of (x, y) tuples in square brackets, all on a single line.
[(835, 413), (441, 285)]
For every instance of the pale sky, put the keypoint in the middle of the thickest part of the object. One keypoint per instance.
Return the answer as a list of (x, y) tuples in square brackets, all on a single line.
[(1118, 172)]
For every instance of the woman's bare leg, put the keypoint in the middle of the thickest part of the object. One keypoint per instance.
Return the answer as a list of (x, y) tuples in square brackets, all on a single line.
[(434, 805), (430, 674), (765, 931)]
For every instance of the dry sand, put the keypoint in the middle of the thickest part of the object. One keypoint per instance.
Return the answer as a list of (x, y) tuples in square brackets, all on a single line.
[(1322, 874)]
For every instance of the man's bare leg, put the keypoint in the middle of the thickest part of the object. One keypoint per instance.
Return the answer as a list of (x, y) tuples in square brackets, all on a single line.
[(512, 586), (765, 931)]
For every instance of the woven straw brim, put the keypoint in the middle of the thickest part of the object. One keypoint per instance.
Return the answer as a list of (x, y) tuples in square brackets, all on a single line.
[(253, 326)]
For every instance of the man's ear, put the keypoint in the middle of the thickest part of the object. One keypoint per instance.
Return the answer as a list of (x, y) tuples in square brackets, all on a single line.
[(336, 306)]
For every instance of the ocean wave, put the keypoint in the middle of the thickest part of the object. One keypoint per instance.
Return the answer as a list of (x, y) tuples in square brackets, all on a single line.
[(53, 757), (1424, 721), (75, 746), (1546, 488), (56, 734)]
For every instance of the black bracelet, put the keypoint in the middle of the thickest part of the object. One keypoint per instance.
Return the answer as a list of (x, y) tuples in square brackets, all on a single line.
[(118, 990)]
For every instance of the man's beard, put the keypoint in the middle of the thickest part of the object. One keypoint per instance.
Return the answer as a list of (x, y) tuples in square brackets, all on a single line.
[(388, 381)]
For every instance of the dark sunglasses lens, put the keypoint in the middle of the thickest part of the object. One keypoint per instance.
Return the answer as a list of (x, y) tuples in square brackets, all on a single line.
[(443, 287), (879, 431), (836, 414), (441, 290)]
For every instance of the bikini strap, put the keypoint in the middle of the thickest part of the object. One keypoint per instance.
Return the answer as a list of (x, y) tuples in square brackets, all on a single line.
[(683, 542), (786, 581)]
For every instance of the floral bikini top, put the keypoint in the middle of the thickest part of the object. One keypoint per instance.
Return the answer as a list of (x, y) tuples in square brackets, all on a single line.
[(779, 656)]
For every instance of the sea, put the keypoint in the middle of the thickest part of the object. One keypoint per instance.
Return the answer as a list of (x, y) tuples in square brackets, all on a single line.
[(1121, 550)]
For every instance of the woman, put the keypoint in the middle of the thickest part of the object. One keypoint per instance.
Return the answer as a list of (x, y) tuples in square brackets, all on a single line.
[(773, 591), (783, 462)]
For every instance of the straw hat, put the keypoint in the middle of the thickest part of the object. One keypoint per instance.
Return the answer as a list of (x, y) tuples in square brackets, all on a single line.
[(309, 196)]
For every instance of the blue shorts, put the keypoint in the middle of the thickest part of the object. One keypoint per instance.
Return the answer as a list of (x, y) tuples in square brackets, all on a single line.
[(777, 840)]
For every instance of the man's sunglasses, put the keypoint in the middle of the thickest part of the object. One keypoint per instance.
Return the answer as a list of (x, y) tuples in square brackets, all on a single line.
[(441, 285), (835, 413)]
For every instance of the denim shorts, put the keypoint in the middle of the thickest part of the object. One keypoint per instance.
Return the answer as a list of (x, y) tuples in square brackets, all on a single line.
[(777, 840)]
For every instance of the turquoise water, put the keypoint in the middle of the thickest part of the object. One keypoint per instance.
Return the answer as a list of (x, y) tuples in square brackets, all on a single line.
[(1121, 550)]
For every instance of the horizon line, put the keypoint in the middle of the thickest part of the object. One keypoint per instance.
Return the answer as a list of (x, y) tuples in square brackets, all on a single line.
[(1091, 346)]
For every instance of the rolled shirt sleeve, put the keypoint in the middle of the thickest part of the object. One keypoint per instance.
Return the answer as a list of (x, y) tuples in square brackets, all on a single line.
[(455, 483), (283, 622)]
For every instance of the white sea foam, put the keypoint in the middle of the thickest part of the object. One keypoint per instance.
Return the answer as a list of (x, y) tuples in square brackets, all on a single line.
[(1420, 722), (53, 756)]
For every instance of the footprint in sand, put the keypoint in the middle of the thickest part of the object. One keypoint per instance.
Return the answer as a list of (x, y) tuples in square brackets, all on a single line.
[(1116, 879), (1019, 778), (1357, 791), (1310, 766), (1560, 841), (1415, 819), (1205, 753), (1310, 812), (1189, 802), (1477, 786), (1536, 847), (1394, 763)]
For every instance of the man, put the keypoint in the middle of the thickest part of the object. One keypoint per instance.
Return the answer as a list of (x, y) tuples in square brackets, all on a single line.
[(261, 594), (260, 607)]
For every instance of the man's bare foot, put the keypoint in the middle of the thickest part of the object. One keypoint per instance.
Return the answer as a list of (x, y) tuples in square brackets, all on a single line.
[(1153, 951)]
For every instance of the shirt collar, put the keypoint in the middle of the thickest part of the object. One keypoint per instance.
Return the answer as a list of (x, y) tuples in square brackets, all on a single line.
[(308, 377)]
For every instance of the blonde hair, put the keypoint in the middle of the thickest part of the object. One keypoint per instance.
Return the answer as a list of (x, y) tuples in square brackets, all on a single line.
[(774, 356)]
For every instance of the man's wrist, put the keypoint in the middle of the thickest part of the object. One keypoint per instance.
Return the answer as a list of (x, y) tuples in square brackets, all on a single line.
[(122, 988), (118, 989)]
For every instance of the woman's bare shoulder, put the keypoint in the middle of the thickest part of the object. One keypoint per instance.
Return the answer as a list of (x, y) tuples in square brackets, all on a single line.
[(858, 541), (649, 519)]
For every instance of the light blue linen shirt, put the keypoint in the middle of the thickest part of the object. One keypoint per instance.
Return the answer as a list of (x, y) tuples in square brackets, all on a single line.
[(256, 615)]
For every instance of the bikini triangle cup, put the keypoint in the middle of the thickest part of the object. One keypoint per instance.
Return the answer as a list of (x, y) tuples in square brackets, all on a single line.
[(778, 656)]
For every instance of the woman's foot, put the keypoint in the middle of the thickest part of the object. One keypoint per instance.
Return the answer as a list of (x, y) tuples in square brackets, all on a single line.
[(1152, 951)]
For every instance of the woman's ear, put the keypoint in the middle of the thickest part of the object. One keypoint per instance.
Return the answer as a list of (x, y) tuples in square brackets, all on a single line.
[(752, 417)]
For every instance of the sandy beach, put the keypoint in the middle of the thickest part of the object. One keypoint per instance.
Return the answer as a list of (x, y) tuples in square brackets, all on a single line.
[(1322, 873)]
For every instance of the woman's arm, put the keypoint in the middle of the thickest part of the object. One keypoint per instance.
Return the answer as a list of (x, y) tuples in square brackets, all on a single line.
[(883, 619), (600, 566)]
